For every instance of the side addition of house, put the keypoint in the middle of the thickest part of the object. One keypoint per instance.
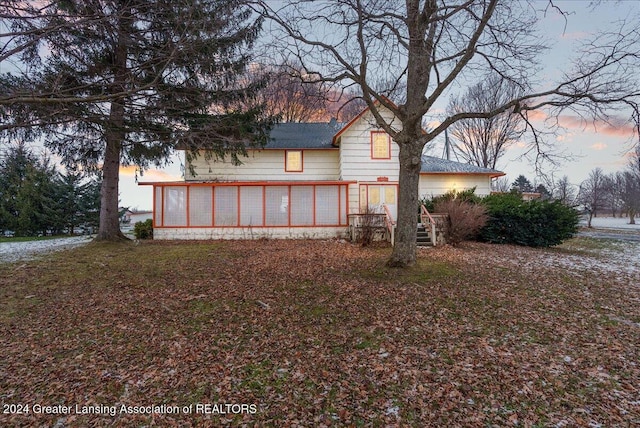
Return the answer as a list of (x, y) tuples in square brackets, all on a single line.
[(305, 183)]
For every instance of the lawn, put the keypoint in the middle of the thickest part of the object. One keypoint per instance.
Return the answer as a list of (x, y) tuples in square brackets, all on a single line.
[(319, 333), (29, 238)]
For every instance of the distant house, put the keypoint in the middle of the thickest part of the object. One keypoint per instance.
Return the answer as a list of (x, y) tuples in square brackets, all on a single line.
[(134, 216), (140, 216), (306, 182), (530, 196)]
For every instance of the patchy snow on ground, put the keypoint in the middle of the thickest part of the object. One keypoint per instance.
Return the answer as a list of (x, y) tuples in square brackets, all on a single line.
[(611, 223), (619, 260), (15, 251), (614, 254)]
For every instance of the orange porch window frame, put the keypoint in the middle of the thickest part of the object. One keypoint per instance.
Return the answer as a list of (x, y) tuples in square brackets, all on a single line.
[(315, 192)]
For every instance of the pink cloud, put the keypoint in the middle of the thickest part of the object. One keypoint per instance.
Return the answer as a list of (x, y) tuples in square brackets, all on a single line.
[(150, 175), (616, 127), (625, 130), (566, 137), (433, 124), (537, 115), (599, 146)]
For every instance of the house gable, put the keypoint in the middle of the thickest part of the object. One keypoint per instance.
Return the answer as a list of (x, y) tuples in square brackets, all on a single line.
[(358, 160)]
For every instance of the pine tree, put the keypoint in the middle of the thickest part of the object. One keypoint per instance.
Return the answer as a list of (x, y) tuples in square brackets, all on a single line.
[(128, 81), (522, 184), (69, 188), (89, 203), (544, 192), (26, 189)]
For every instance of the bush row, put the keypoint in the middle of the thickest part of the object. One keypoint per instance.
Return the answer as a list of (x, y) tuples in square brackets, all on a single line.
[(509, 219)]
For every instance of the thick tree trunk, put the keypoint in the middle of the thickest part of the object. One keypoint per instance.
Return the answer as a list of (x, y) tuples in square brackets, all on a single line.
[(404, 250), (109, 229)]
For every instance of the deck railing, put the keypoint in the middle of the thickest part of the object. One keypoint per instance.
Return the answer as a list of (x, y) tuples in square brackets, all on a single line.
[(390, 223), (426, 219)]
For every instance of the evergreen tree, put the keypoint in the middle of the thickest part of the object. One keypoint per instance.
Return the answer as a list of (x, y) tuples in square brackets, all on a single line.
[(68, 208), (26, 189), (128, 81), (522, 184), (544, 193), (36, 199), (89, 203)]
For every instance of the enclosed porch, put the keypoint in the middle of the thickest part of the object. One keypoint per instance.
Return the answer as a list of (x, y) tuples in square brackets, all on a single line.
[(250, 210)]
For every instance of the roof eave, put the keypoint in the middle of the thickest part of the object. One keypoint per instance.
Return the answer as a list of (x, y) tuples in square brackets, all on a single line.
[(492, 174)]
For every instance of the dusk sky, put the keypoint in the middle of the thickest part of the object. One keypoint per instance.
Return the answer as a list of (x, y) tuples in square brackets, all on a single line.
[(591, 145)]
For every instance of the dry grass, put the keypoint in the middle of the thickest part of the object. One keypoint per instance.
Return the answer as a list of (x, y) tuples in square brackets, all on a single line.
[(319, 333)]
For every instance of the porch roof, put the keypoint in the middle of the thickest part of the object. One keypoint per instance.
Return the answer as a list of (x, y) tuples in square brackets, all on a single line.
[(247, 183), (433, 165)]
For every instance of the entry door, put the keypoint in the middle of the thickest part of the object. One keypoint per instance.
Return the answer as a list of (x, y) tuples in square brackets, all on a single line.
[(376, 195)]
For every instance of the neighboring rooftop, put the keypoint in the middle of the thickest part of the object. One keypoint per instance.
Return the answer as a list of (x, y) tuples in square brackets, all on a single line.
[(433, 165), (303, 135)]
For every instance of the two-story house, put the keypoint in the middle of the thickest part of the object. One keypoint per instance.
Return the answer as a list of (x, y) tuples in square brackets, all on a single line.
[(304, 183)]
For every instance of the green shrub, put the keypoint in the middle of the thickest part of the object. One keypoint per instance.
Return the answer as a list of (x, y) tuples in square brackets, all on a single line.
[(143, 230), (531, 223), (467, 195)]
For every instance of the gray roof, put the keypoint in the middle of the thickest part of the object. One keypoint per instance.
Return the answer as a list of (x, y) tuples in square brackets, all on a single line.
[(303, 135), (435, 165)]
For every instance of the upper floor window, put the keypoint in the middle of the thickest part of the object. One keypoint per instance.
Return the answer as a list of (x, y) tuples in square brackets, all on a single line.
[(380, 145), (293, 161)]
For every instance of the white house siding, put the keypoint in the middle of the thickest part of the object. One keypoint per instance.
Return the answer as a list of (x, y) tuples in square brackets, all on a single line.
[(268, 165), (206, 233), (438, 184), (141, 217), (355, 157)]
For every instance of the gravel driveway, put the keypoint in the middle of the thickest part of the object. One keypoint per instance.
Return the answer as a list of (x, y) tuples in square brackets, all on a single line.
[(15, 251)]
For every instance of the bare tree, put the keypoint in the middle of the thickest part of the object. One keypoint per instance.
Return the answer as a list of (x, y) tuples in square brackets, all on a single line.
[(483, 141), (501, 185), (426, 48), (613, 188), (564, 191), (630, 193), (345, 105), (295, 96), (592, 194)]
